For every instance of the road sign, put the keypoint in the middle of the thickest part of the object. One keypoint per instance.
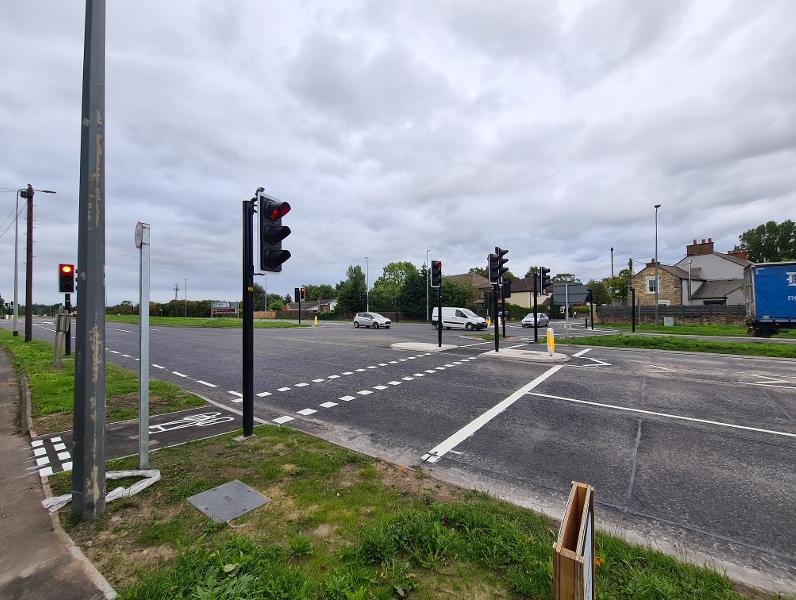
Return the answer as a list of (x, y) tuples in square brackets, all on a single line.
[(573, 550), (575, 293), (223, 308)]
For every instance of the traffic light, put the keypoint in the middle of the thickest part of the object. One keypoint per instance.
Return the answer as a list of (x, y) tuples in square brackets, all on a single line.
[(493, 269), (500, 253), (66, 278), (272, 232), (299, 294), (506, 289), (544, 277), (436, 273)]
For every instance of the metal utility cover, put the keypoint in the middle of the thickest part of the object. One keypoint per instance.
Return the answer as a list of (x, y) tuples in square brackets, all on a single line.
[(228, 501)]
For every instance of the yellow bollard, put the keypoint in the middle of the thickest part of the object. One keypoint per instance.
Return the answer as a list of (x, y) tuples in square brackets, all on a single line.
[(551, 341), (315, 321), (488, 322)]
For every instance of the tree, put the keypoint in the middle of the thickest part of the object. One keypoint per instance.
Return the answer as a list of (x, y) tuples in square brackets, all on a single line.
[(323, 291), (564, 278), (412, 298), (599, 292), (771, 242), (482, 271), (618, 286), (287, 298), (276, 304), (458, 293), (351, 291), (258, 297)]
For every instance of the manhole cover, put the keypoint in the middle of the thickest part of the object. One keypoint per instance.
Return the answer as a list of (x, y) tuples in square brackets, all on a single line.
[(228, 501)]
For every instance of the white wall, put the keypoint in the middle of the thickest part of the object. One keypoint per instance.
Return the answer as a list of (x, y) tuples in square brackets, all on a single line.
[(713, 267)]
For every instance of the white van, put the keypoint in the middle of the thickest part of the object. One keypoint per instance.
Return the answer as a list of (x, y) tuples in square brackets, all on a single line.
[(458, 318)]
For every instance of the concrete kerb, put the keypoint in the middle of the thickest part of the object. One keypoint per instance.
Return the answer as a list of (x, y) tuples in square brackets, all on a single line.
[(88, 567), (422, 347), (534, 356)]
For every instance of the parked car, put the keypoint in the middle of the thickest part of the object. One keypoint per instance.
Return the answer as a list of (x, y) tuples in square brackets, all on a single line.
[(544, 320), (458, 318), (371, 319)]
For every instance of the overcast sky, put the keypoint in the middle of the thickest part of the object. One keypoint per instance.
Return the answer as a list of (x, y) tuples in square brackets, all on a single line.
[(550, 129)]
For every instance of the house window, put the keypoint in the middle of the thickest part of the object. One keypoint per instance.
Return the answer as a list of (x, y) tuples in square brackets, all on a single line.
[(721, 302), (650, 285)]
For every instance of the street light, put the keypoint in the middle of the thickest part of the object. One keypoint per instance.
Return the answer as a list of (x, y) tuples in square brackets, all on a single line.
[(657, 280), (367, 284), (28, 195), (185, 296), (427, 306)]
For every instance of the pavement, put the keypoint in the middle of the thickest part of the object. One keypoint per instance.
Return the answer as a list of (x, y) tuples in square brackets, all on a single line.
[(692, 453), (43, 564)]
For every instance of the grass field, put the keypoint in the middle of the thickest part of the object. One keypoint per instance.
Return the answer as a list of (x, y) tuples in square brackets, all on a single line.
[(52, 390), (684, 344), (220, 322), (341, 525)]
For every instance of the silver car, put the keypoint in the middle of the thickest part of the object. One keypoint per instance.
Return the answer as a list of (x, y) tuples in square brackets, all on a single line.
[(544, 320), (371, 319)]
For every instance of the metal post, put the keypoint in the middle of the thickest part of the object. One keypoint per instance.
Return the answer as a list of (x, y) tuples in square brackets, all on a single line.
[(566, 304), (299, 303), (428, 308), (657, 280), (16, 268), (503, 304), (142, 241), (495, 313), (68, 309), (633, 308), (185, 297), (88, 472), (536, 281), (248, 319), (439, 315), (367, 285), (29, 270)]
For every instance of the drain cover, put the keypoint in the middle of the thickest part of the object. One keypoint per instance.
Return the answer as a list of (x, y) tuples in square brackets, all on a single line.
[(228, 501)]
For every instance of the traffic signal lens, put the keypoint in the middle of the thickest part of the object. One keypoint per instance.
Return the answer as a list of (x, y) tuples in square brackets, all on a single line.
[(278, 210), (66, 268)]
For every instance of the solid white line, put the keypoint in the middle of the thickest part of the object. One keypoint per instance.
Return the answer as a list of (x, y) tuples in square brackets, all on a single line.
[(667, 415), (328, 404), (582, 352), (178, 374), (465, 432), (206, 383), (769, 385)]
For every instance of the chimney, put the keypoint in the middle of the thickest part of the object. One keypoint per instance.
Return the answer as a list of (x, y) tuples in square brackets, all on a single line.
[(738, 253), (651, 263), (699, 249)]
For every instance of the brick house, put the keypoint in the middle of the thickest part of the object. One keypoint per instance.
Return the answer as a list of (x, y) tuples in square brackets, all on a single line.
[(702, 277), (480, 283)]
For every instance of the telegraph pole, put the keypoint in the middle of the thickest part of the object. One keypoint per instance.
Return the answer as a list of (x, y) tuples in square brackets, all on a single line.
[(29, 270), (88, 473)]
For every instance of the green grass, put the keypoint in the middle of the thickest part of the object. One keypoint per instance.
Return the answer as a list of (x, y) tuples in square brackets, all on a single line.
[(341, 525), (220, 322), (685, 345), (716, 330), (52, 390)]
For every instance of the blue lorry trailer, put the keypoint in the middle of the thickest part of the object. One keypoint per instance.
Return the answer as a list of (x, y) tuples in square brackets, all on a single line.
[(772, 302)]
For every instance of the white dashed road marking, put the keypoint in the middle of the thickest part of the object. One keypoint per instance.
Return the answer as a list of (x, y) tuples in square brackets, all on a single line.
[(379, 387), (328, 404), (208, 384), (283, 389), (318, 380), (178, 374), (307, 411), (282, 420), (301, 385), (393, 383), (346, 398), (364, 392), (263, 394)]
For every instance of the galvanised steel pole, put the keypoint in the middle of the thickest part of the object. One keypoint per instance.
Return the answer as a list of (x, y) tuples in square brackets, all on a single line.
[(657, 280), (88, 473)]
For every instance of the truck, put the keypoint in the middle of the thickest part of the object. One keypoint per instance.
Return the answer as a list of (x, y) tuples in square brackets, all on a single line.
[(772, 297)]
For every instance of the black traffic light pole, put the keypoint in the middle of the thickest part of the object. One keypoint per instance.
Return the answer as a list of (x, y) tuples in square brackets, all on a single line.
[(535, 275), (633, 308), (503, 301), (68, 309), (248, 318), (495, 313)]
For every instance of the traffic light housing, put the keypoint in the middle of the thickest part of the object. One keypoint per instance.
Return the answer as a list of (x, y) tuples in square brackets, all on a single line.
[(66, 278), (493, 269), (272, 232), (544, 277), (298, 294), (436, 273), (506, 289), (500, 253)]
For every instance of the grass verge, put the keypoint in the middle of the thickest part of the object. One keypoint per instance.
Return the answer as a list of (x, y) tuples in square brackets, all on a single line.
[(716, 330), (220, 322), (685, 345), (52, 390), (341, 525)]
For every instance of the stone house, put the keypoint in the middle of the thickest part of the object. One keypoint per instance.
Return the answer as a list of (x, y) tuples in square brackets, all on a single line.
[(702, 277), (522, 294)]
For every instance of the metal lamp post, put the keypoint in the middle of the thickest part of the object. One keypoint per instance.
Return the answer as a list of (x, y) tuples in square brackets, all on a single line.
[(367, 285), (657, 280), (428, 314)]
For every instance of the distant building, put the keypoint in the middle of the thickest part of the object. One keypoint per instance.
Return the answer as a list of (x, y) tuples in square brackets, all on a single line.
[(479, 282), (522, 294), (702, 277), (319, 306)]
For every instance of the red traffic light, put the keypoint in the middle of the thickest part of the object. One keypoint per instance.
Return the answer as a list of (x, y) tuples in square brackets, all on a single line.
[(277, 210), (66, 278), (66, 268)]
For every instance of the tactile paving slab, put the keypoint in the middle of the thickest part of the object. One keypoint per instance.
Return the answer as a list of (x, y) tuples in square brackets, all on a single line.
[(228, 501)]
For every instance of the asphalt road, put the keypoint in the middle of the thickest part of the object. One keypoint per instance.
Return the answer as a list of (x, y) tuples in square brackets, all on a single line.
[(694, 453)]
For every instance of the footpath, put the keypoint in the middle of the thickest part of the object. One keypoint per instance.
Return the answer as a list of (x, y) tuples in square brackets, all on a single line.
[(38, 560)]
